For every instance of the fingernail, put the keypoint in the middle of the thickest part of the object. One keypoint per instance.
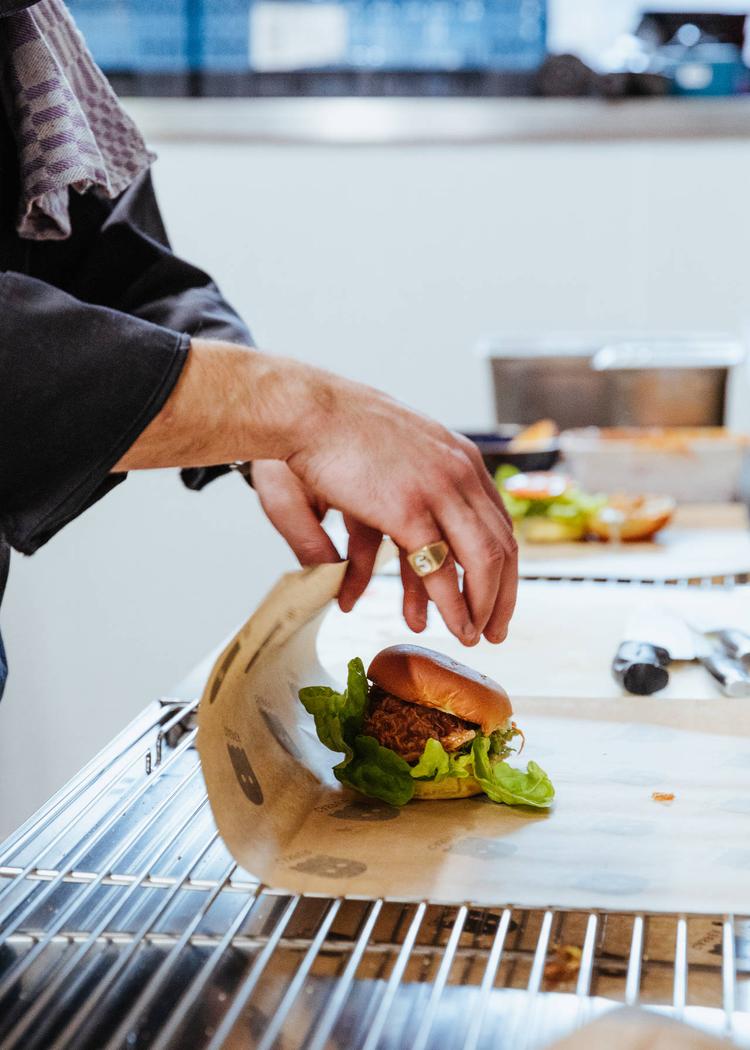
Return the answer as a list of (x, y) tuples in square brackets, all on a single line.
[(469, 634)]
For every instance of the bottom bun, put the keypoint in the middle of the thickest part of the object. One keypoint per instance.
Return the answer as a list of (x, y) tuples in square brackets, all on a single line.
[(452, 787), (538, 529)]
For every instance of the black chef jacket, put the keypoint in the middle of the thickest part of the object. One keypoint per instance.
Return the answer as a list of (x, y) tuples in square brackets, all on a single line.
[(94, 332)]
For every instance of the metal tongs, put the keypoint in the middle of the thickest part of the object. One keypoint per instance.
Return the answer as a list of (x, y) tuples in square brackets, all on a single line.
[(736, 643)]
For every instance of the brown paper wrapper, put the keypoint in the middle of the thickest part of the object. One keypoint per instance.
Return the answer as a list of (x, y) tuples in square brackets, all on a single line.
[(637, 1030), (605, 843)]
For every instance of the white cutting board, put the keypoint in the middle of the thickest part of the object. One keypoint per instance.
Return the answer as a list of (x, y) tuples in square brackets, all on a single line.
[(704, 541), (562, 638)]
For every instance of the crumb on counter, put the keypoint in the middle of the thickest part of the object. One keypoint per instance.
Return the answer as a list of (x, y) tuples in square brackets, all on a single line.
[(564, 964), (662, 796)]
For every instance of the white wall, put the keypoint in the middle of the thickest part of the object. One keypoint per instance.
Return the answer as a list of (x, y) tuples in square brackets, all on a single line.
[(384, 263)]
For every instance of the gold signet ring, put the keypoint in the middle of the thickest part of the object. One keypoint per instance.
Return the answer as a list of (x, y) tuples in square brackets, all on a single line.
[(428, 559)]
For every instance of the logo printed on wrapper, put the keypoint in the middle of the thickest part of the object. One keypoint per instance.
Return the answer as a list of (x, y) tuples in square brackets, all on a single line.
[(611, 883), (625, 828), (280, 734), (246, 778), (635, 777), (736, 805), (735, 858), (366, 812), (222, 672), (262, 647), (330, 867), (482, 849)]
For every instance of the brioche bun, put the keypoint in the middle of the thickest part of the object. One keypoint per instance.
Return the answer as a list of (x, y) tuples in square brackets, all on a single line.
[(632, 518), (422, 676), (537, 436)]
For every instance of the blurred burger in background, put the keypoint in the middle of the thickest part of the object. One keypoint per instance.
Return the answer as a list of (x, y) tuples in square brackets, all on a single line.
[(547, 507), (551, 508)]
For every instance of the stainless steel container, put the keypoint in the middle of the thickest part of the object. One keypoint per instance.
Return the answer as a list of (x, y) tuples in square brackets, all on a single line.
[(608, 381)]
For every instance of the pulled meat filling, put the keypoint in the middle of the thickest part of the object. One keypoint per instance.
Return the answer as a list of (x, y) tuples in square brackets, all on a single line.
[(405, 728)]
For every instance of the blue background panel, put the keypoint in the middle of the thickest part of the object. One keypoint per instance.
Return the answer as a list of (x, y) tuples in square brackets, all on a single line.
[(165, 36)]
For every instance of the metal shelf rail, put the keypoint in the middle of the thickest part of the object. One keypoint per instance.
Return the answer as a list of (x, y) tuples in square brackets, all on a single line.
[(124, 922)]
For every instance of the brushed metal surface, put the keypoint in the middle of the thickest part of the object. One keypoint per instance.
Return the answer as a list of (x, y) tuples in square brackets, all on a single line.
[(568, 390)]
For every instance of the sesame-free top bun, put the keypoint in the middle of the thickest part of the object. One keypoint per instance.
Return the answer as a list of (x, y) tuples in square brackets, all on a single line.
[(422, 676)]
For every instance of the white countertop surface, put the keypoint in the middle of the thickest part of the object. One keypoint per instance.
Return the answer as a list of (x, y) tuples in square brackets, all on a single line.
[(431, 121)]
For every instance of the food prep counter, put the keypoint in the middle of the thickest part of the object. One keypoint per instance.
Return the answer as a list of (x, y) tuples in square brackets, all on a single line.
[(125, 922)]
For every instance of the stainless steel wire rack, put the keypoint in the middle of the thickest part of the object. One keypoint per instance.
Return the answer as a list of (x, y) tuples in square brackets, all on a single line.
[(125, 923)]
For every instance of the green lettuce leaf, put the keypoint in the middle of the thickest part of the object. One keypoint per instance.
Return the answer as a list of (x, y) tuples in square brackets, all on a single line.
[(503, 783), (357, 689), (573, 507), (501, 741), (377, 771), (436, 764), (517, 508), (339, 716), (503, 472)]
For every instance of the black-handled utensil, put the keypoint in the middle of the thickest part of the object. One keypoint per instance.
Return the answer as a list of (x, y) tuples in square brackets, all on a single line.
[(641, 667)]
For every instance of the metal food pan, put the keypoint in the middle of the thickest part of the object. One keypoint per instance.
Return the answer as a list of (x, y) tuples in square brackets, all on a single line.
[(607, 381)]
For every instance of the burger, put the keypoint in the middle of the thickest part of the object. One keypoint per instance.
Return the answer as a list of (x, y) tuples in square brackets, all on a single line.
[(419, 724), (550, 508), (632, 519), (546, 507)]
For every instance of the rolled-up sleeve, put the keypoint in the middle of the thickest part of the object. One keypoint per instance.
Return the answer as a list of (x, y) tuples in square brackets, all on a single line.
[(129, 264), (78, 384)]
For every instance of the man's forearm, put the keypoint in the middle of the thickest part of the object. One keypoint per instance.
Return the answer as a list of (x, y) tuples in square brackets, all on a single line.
[(388, 469), (230, 403)]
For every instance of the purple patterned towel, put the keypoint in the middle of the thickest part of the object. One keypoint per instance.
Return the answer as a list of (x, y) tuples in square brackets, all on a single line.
[(71, 131)]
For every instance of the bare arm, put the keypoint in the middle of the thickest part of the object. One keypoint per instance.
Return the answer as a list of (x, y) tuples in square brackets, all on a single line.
[(230, 403), (392, 470)]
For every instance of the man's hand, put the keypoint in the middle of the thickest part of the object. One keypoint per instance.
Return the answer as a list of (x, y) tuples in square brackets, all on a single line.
[(389, 470), (404, 476), (297, 514)]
